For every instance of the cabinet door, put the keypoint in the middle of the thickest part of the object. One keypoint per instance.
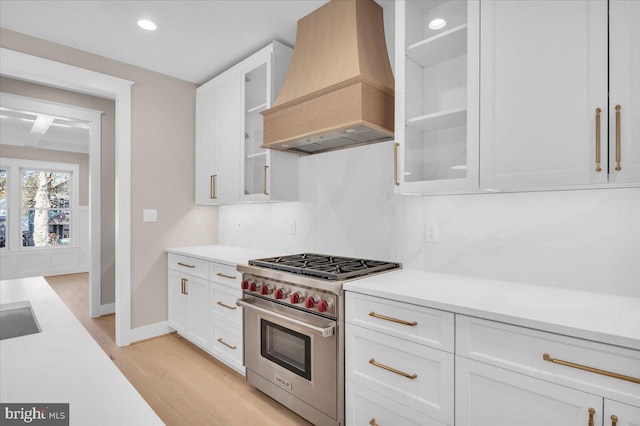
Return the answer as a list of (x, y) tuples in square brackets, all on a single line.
[(229, 139), (543, 75), (624, 72), (206, 122), (618, 414), (487, 395), (198, 311), (177, 315)]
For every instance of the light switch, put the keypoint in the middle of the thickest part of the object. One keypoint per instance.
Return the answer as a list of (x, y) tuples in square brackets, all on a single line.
[(149, 215)]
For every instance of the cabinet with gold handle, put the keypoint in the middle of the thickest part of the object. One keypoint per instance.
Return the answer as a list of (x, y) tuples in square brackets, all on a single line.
[(396, 320), (372, 361), (226, 344), (548, 358)]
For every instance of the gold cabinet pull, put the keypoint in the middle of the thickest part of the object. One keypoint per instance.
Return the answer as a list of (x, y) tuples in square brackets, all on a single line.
[(591, 413), (226, 276), (182, 285), (226, 306), (547, 357), (212, 187), (598, 168), (614, 420), (266, 171), (186, 265), (393, 370), (185, 284), (386, 318), (395, 164), (372, 422), (226, 344), (618, 147)]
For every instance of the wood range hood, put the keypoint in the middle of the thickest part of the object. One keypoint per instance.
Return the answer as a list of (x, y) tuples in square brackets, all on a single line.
[(339, 90)]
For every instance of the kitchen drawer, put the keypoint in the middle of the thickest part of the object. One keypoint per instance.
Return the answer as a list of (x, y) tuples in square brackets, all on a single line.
[(432, 327), (189, 265), (417, 376), (365, 407), (227, 275), (226, 345), (223, 305), (521, 349)]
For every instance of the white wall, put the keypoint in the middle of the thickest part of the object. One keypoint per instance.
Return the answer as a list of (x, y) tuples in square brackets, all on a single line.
[(588, 239)]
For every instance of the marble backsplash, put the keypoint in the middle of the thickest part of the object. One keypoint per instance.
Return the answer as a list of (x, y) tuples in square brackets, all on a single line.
[(587, 239)]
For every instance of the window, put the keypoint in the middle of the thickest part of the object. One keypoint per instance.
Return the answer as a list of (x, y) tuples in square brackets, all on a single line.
[(38, 201)]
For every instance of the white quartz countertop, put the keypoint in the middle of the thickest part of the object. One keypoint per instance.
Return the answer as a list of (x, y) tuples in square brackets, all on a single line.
[(63, 364), (599, 317), (228, 255)]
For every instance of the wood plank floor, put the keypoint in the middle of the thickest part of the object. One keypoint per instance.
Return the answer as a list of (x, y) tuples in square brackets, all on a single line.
[(183, 384)]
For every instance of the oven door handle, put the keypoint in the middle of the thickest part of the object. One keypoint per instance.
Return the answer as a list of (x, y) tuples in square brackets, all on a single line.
[(320, 331)]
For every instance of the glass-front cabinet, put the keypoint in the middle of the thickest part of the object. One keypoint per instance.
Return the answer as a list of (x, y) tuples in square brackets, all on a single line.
[(437, 96)]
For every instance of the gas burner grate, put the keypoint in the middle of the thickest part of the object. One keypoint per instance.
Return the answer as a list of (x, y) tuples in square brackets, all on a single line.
[(324, 266)]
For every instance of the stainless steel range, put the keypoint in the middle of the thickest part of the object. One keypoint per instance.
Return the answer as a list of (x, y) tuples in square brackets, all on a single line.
[(294, 329)]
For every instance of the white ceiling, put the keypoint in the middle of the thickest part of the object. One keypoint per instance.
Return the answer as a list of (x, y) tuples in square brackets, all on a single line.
[(195, 40), (34, 130)]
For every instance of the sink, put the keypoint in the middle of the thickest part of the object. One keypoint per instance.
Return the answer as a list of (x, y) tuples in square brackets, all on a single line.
[(17, 319)]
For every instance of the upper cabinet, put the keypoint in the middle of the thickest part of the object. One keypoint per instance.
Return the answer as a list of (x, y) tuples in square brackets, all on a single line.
[(230, 165), (437, 96), (547, 119)]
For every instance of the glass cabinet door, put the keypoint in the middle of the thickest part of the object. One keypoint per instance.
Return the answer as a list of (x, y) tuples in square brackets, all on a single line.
[(256, 159)]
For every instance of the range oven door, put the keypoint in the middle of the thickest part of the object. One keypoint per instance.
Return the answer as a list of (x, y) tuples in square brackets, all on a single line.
[(292, 349)]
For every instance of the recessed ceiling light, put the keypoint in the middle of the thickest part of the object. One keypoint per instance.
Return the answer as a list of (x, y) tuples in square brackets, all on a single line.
[(437, 24), (146, 24)]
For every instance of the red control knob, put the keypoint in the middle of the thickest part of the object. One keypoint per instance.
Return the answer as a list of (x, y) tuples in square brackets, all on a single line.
[(252, 287), (266, 289), (244, 285), (310, 302), (280, 293), (295, 297), (323, 306)]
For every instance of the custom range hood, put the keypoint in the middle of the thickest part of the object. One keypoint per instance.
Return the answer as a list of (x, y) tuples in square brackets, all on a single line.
[(339, 89)]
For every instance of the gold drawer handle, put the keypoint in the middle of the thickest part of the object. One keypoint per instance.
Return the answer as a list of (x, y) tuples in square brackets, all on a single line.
[(185, 282), (212, 187), (618, 147), (226, 344), (372, 422), (226, 306), (393, 370), (399, 321), (395, 164), (598, 168), (547, 357), (266, 171), (186, 265), (591, 413), (614, 420), (226, 276)]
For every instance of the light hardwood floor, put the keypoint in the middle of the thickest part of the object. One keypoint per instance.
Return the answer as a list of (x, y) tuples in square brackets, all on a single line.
[(183, 384)]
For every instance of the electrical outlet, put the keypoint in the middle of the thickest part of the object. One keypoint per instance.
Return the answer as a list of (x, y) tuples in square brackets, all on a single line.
[(149, 215), (292, 227), (431, 232)]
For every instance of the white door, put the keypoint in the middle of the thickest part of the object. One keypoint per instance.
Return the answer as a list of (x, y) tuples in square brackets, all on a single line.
[(543, 77), (229, 138), (206, 121), (177, 315), (198, 311), (624, 80), (489, 396), (618, 414)]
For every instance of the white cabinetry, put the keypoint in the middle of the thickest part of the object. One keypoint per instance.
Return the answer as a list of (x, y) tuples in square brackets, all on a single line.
[(230, 165), (397, 355), (202, 307), (437, 96), (547, 121), (618, 414)]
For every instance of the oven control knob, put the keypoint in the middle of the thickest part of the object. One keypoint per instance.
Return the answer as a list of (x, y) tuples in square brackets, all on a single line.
[(266, 289), (280, 293), (245, 285), (253, 286), (296, 297), (310, 302), (324, 305)]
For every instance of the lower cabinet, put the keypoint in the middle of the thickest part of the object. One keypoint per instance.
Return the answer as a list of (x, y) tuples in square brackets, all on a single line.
[(198, 311), (618, 414), (177, 300)]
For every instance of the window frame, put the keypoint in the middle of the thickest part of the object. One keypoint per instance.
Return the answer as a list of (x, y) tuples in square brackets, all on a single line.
[(15, 168)]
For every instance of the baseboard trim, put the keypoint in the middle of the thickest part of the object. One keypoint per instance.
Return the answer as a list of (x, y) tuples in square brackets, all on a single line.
[(108, 309), (150, 331)]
